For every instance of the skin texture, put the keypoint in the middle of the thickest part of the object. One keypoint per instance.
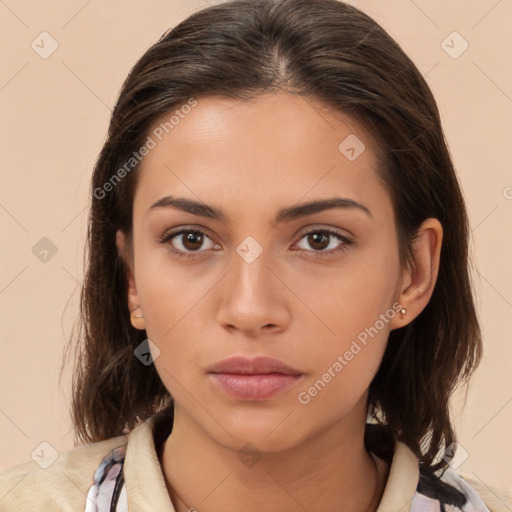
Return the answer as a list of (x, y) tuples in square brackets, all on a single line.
[(298, 301)]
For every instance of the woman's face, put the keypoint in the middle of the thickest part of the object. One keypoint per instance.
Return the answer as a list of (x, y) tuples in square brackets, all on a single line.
[(262, 278)]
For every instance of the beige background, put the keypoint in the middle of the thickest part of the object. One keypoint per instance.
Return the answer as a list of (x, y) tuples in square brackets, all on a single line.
[(54, 118)]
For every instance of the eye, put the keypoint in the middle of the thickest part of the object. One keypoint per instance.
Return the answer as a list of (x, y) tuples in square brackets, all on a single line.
[(188, 242), (321, 240)]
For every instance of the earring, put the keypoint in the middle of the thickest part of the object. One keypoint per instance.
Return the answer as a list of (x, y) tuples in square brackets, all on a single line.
[(137, 320), (403, 311)]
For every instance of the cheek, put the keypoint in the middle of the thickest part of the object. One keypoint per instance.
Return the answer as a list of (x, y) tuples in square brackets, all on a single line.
[(176, 312), (169, 292), (350, 297), (354, 308), (343, 375)]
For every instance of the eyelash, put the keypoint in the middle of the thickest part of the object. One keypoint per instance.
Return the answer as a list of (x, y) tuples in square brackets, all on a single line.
[(168, 236)]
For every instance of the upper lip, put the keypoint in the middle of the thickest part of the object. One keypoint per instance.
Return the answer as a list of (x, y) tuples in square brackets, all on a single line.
[(253, 366)]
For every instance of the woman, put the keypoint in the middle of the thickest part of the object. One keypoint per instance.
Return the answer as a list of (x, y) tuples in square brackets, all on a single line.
[(277, 304)]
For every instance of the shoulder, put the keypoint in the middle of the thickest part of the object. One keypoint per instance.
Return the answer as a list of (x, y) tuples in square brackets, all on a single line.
[(60, 486), (496, 500), (448, 490)]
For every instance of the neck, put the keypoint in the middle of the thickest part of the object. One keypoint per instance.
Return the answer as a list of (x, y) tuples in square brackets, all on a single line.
[(330, 472)]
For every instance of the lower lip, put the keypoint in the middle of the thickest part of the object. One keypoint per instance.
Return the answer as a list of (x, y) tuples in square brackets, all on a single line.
[(254, 387)]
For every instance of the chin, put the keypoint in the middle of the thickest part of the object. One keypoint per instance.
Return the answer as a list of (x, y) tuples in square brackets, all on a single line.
[(264, 431), (257, 443)]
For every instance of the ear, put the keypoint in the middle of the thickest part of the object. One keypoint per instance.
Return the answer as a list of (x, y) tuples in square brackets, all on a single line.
[(126, 254), (420, 276)]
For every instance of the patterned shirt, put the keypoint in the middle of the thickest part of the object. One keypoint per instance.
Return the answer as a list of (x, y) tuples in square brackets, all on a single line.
[(108, 492), (125, 473)]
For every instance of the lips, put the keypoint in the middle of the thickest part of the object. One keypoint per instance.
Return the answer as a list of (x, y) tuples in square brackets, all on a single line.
[(253, 366), (257, 378)]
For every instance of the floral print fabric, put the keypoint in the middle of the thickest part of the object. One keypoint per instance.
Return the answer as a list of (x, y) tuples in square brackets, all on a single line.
[(108, 491)]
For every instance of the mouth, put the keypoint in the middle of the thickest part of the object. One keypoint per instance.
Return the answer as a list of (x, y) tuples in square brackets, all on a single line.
[(253, 379)]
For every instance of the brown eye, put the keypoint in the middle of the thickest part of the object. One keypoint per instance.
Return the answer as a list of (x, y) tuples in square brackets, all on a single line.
[(192, 240), (318, 241), (187, 242), (321, 239)]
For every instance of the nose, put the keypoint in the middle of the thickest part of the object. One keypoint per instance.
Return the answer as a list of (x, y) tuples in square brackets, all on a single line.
[(253, 298)]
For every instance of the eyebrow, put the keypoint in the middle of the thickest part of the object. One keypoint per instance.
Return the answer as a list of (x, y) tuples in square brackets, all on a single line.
[(285, 214)]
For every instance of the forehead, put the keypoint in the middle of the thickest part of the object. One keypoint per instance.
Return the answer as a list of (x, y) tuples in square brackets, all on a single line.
[(271, 146)]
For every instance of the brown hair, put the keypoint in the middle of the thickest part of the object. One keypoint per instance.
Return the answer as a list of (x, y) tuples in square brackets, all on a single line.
[(326, 50)]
